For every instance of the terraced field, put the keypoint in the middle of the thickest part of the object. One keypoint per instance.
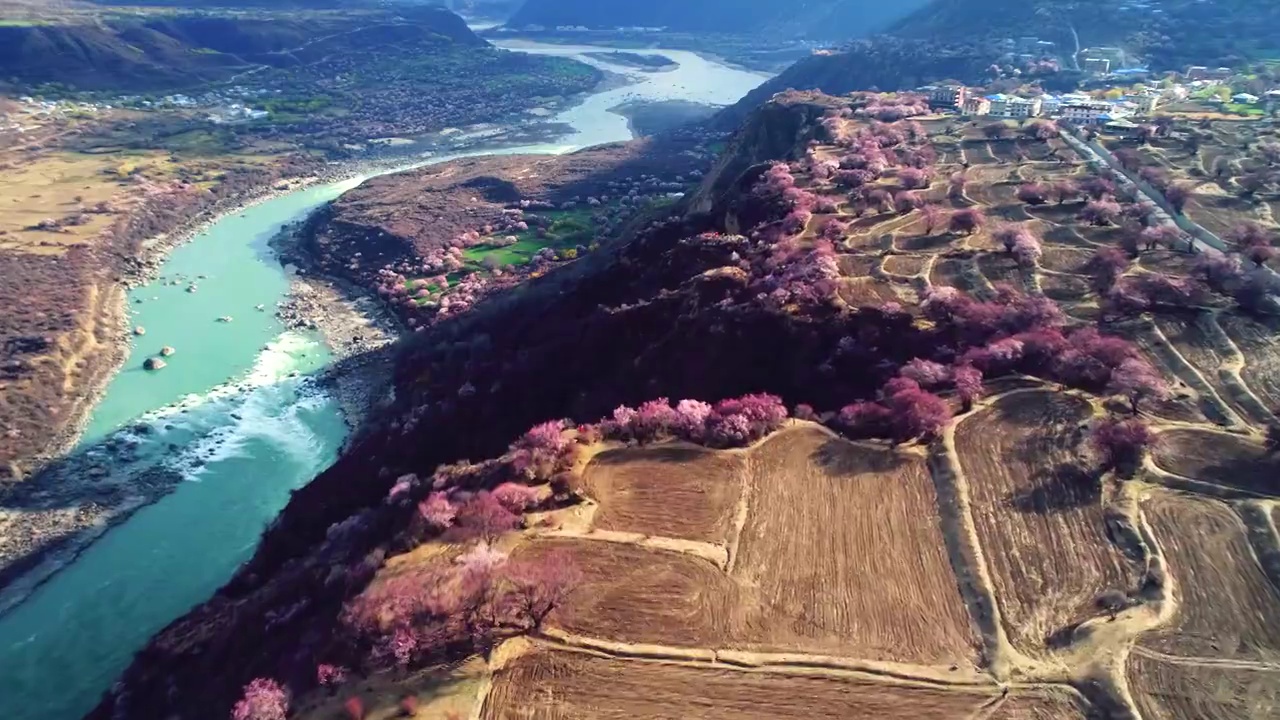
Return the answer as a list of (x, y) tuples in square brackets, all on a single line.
[(811, 576), (1226, 606), (1039, 522)]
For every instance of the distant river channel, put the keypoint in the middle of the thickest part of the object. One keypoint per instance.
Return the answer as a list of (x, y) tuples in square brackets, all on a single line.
[(237, 414)]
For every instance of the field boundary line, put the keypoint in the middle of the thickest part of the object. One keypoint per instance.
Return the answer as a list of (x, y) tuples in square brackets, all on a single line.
[(798, 664), (1208, 662), (1205, 388), (710, 552), (1231, 370), (1174, 481), (964, 549)]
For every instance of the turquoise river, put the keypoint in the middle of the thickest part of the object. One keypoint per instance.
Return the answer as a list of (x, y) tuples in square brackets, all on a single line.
[(237, 415)]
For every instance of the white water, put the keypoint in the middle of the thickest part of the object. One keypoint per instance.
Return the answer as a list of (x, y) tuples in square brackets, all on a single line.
[(233, 419)]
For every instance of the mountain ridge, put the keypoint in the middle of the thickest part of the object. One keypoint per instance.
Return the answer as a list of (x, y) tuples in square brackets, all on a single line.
[(816, 19)]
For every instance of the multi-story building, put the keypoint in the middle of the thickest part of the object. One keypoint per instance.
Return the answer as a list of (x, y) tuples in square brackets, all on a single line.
[(948, 96), (1089, 112), (976, 105), (1013, 106), (1098, 65)]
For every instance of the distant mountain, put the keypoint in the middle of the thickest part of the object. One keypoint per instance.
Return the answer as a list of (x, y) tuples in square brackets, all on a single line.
[(176, 50), (882, 63), (818, 19), (1168, 34)]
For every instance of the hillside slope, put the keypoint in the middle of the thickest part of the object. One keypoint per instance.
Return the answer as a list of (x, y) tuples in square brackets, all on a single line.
[(1168, 33), (989, 394), (830, 19), (160, 51), (882, 63)]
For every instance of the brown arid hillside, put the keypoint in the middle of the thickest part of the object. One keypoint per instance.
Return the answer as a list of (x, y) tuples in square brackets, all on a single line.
[(74, 229), (907, 418)]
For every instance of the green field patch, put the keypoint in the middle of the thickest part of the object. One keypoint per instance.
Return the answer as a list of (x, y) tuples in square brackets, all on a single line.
[(568, 229)]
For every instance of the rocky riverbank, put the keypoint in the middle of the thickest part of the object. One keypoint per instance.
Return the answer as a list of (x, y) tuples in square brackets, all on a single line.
[(358, 331)]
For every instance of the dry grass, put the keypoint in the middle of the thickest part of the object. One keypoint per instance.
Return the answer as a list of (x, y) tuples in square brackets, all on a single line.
[(1260, 345), (841, 554), (639, 595), (1040, 523)]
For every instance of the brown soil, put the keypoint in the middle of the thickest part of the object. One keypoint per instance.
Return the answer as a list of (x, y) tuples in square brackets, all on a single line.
[(547, 684), (843, 553), (905, 265), (1220, 458), (1226, 606), (1260, 344), (1166, 690), (641, 595), (674, 491), (1041, 524)]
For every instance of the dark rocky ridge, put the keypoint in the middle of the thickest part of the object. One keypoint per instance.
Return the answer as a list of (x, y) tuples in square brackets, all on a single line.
[(666, 312)]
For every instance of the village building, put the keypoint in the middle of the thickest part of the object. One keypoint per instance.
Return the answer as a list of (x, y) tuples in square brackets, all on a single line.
[(976, 105), (945, 96), (1101, 66), (1090, 112), (1012, 106)]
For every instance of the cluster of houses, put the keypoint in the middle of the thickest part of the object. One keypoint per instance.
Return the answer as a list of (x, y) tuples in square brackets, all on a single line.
[(1076, 108)]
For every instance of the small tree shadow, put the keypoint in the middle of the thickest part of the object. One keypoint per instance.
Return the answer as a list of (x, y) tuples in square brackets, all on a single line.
[(1067, 486), (666, 453), (841, 457)]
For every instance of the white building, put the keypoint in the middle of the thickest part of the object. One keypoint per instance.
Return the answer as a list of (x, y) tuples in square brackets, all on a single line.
[(1086, 113), (1012, 106), (1245, 99)]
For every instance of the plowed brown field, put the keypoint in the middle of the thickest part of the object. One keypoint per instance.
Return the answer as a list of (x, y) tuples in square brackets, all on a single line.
[(841, 554), (1040, 525), (1226, 606), (633, 594), (1260, 345), (548, 684), (1191, 339), (1165, 690), (844, 554), (1220, 458), (674, 491)]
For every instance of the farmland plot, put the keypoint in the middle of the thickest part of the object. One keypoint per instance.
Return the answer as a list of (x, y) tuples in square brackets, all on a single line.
[(1219, 458), (673, 491), (1226, 606), (1167, 690), (547, 684), (843, 554), (1039, 523)]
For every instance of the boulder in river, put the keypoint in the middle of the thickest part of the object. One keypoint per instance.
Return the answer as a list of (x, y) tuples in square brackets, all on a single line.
[(225, 319), (166, 351), (139, 331), (154, 363), (192, 288)]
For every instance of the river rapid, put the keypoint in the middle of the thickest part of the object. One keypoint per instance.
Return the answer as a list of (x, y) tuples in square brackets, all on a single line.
[(237, 415)]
